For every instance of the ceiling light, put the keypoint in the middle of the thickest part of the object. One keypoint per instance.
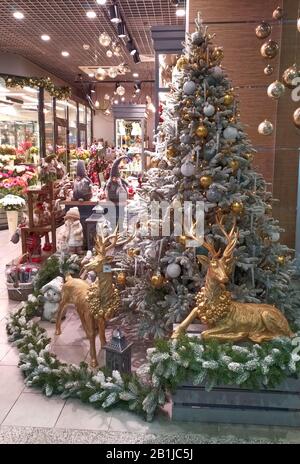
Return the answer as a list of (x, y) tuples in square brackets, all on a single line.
[(136, 58), (18, 15), (180, 12), (91, 14), (86, 46), (121, 30), (45, 37), (135, 75), (130, 47), (65, 54), (137, 87), (123, 99), (101, 2), (91, 75), (93, 91), (116, 102), (114, 14)]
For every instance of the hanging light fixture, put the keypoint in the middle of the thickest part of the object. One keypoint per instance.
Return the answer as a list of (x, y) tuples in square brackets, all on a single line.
[(114, 14), (130, 47), (120, 90), (104, 39), (137, 87), (121, 30), (136, 58), (112, 72)]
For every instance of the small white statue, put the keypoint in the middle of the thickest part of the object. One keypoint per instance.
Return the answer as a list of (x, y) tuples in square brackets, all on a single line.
[(73, 231), (51, 294)]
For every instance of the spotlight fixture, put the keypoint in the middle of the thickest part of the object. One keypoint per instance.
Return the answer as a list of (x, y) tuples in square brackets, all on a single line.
[(114, 14), (137, 87), (135, 75), (91, 14), (65, 54), (121, 30), (136, 58), (130, 47), (45, 37), (180, 12), (18, 15), (101, 2)]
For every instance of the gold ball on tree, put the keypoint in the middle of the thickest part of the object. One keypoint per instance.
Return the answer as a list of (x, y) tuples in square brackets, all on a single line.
[(228, 99), (217, 54), (182, 62), (237, 207), (188, 103), (157, 280), (206, 181), (121, 278), (249, 156), (171, 152), (234, 164), (201, 131), (131, 252), (182, 240), (281, 259)]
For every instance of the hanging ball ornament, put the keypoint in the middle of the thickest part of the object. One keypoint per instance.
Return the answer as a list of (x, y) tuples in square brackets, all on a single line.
[(197, 38), (265, 128), (121, 278), (182, 240), (275, 90), (213, 194), (289, 75), (187, 169), (268, 70), (109, 53), (275, 236), (217, 72), (150, 252), (234, 165), (281, 259), (209, 110), (206, 181), (185, 138), (249, 157), (189, 87), (171, 152), (263, 30), (201, 131), (157, 281), (173, 271), (182, 63), (296, 118), (230, 133), (298, 24), (121, 90), (237, 207), (269, 49), (100, 74), (278, 13), (104, 39), (228, 99), (112, 72)]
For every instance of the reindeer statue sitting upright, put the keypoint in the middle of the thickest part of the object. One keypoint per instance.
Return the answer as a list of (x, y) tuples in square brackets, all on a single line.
[(230, 320), (95, 303)]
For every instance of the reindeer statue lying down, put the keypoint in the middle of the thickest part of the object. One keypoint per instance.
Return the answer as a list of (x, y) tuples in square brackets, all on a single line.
[(230, 320), (97, 302)]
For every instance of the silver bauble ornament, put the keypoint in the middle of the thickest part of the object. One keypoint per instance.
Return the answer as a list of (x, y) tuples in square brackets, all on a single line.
[(289, 75), (189, 87), (121, 90), (275, 236), (173, 271), (209, 110), (230, 133), (213, 195), (263, 30), (268, 70), (265, 128), (197, 38), (112, 72), (105, 39), (187, 169), (185, 138), (109, 53), (150, 252), (217, 72), (275, 90)]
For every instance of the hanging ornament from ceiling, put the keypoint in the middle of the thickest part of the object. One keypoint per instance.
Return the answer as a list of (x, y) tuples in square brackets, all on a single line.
[(117, 49), (268, 70), (289, 75), (109, 53), (121, 90), (275, 90), (278, 13), (263, 30), (106, 96), (296, 117), (298, 24), (105, 39), (265, 128), (112, 72), (100, 74), (269, 49)]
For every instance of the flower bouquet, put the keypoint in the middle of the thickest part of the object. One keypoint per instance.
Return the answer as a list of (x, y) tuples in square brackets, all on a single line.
[(12, 204)]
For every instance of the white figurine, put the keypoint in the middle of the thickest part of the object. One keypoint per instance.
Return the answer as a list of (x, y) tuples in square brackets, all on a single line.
[(51, 294), (73, 232)]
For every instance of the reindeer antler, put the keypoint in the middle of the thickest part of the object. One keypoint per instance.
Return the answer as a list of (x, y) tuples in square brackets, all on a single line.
[(208, 245), (232, 236)]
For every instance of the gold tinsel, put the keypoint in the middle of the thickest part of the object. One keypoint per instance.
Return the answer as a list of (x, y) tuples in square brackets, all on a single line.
[(62, 93)]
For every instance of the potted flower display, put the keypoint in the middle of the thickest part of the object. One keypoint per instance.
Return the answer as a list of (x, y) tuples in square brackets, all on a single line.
[(12, 204)]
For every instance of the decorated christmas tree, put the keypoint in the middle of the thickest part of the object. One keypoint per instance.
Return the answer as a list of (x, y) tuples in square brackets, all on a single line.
[(203, 154)]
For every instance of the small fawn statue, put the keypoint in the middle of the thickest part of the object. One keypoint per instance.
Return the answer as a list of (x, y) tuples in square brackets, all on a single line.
[(230, 320), (98, 302)]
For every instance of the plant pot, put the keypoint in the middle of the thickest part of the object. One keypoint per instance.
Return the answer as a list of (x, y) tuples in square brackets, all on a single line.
[(12, 220)]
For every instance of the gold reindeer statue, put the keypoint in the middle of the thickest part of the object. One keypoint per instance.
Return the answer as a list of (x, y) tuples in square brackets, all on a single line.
[(230, 320), (98, 302)]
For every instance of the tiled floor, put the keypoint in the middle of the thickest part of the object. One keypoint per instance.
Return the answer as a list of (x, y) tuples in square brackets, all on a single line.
[(26, 416)]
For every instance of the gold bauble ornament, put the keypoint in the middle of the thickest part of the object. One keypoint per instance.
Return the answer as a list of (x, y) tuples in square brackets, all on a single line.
[(157, 280), (249, 156), (217, 54), (296, 117), (188, 103), (275, 90), (228, 99), (121, 278), (234, 164), (263, 30), (154, 162), (269, 210), (201, 131), (269, 49), (289, 75), (206, 181), (131, 252), (171, 152), (182, 240), (182, 62), (277, 13), (281, 259), (237, 207)]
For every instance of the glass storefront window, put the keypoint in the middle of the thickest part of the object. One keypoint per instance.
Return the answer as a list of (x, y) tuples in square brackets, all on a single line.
[(61, 109), (19, 118), (72, 124), (82, 138), (82, 110), (49, 122), (89, 127)]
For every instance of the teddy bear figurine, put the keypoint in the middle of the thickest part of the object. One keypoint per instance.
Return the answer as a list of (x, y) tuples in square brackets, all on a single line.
[(51, 296), (73, 231)]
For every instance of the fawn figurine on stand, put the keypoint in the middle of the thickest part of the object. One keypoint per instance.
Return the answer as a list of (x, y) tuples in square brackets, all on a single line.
[(98, 302), (230, 320)]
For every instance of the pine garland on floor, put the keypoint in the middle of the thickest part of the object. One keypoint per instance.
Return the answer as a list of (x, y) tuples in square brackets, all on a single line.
[(169, 363)]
